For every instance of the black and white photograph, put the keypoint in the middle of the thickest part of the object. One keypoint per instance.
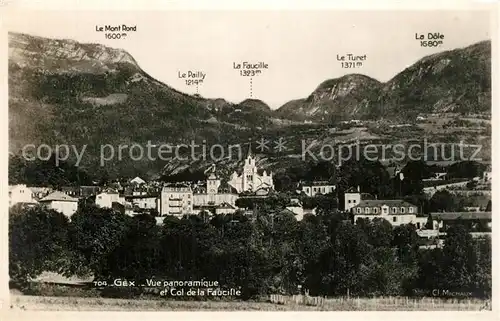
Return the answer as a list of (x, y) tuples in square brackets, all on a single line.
[(250, 160)]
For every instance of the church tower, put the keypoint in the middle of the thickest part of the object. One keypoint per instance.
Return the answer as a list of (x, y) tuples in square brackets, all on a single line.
[(249, 171), (213, 184)]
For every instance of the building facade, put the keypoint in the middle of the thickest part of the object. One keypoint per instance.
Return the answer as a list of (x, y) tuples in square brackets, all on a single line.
[(396, 212), (146, 202), (314, 188), (107, 198), (176, 199), (351, 199), (61, 202), (20, 194), (251, 179), (211, 195)]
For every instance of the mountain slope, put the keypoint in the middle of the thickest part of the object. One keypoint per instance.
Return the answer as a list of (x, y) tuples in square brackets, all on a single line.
[(340, 98), (88, 95), (65, 92), (452, 81)]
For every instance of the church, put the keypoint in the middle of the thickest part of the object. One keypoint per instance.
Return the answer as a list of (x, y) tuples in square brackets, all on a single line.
[(251, 178)]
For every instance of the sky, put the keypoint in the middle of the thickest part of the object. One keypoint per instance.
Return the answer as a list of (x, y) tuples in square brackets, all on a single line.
[(300, 47)]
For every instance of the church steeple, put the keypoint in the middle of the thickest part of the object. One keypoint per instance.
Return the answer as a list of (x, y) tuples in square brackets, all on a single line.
[(249, 152)]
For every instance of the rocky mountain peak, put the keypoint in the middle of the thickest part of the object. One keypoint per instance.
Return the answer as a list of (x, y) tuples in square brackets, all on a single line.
[(63, 55)]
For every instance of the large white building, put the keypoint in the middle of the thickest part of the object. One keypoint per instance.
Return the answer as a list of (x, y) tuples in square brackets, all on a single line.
[(107, 198), (61, 202), (314, 188), (251, 180), (396, 212), (176, 199), (146, 202), (20, 194), (211, 194)]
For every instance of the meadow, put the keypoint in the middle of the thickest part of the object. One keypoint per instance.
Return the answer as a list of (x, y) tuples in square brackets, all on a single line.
[(274, 303)]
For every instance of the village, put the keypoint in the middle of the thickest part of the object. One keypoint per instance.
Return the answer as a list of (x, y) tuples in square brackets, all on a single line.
[(213, 197)]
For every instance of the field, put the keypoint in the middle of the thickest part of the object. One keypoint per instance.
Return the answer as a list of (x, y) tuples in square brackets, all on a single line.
[(53, 292), (23, 302)]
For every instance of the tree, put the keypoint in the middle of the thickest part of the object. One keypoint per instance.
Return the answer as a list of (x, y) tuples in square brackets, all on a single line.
[(343, 264), (430, 222), (94, 234), (38, 241), (459, 258), (312, 240), (483, 276), (488, 206), (443, 201), (372, 177), (466, 169), (138, 252), (405, 239), (413, 173), (378, 231)]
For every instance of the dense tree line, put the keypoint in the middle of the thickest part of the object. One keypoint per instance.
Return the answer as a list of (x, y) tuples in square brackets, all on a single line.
[(271, 252)]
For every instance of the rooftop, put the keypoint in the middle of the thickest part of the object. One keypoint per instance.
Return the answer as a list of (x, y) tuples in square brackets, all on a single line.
[(317, 183), (58, 196), (226, 205), (378, 203)]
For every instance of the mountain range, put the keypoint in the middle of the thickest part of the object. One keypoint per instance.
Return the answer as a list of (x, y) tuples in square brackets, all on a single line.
[(455, 81), (66, 92)]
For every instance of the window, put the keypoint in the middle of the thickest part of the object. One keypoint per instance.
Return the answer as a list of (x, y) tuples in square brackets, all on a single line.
[(410, 209), (358, 210), (354, 201), (394, 210), (394, 218), (349, 201), (385, 210), (367, 210), (418, 225), (402, 209), (375, 210)]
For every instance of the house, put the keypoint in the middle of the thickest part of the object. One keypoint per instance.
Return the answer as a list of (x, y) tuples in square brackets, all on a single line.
[(353, 196), (61, 202), (314, 188), (20, 194), (212, 193), (396, 212), (81, 191), (107, 197), (146, 202), (176, 199), (478, 221), (251, 178)]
